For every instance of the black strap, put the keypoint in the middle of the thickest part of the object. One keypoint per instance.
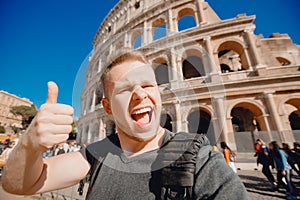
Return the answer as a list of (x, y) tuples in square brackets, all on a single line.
[(178, 157), (97, 156)]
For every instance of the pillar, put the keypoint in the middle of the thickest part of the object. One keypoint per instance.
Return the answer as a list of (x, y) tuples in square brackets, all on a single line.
[(147, 37), (256, 60), (274, 114), (170, 25), (219, 107), (178, 117), (201, 11)]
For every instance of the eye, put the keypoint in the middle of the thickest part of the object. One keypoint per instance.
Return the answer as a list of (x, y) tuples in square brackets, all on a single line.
[(147, 85)]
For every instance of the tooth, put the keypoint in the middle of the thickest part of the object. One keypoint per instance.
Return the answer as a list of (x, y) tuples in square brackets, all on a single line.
[(143, 110)]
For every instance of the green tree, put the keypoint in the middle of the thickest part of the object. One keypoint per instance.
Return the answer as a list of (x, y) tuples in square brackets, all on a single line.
[(2, 129), (26, 112), (73, 133)]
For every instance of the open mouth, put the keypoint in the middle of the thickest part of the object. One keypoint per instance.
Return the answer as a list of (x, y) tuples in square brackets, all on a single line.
[(142, 116)]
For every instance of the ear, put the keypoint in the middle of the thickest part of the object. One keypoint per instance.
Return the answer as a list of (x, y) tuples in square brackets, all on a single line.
[(106, 106)]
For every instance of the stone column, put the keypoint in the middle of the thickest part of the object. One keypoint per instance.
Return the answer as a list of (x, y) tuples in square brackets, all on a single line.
[(274, 114), (93, 101), (201, 11), (211, 67), (173, 58), (127, 40), (176, 72), (219, 107), (178, 117), (209, 50), (264, 120), (128, 17), (256, 60), (216, 131), (146, 34), (170, 25)]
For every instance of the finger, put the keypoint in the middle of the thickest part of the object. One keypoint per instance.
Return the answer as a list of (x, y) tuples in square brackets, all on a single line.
[(48, 143), (62, 120), (60, 109), (52, 93), (56, 119), (57, 129)]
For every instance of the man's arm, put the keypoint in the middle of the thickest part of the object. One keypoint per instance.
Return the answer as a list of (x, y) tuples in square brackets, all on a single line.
[(26, 171)]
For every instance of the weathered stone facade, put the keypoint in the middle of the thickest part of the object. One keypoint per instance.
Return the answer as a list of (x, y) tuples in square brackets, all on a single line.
[(215, 76), (7, 100)]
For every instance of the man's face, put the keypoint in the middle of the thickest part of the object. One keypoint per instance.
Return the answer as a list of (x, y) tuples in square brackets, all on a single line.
[(134, 99)]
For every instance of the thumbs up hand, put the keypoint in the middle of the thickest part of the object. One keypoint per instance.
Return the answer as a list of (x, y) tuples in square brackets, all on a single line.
[(52, 124)]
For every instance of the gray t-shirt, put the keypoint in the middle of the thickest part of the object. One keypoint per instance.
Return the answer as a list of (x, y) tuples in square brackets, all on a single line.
[(120, 177)]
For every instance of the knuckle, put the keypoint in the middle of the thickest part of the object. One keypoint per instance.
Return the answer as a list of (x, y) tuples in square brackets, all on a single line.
[(43, 107), (70, 119), (69, 129), (71, 110), (40, 130), (40, 119)]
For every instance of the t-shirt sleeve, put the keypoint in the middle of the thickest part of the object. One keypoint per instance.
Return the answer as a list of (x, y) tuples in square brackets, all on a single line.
[(214, 179)]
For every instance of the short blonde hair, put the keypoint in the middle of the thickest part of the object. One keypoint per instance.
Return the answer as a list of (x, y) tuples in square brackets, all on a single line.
[(117, 58)]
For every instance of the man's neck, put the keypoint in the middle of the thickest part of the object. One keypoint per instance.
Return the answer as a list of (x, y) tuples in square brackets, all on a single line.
[(133, 146)]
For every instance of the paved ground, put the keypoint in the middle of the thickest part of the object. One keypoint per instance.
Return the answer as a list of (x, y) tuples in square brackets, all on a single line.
[(256, 185)]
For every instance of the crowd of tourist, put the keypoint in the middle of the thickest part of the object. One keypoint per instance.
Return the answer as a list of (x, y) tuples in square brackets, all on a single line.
[(7, 146), (284, 160)]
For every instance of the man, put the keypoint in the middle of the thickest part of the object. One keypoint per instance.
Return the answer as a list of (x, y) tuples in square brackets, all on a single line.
[(125, 159)]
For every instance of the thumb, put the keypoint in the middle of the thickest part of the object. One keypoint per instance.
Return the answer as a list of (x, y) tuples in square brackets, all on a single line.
[(52, 92)]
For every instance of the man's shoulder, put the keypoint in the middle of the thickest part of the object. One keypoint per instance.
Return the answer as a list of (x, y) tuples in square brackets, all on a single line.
[(101, 148)]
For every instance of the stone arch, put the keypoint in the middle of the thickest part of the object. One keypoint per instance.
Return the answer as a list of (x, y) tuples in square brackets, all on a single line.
[(185, 15), (161, 70), (98, 95), (166, 121), (247, 116), (233, 54), (136, 38), (89, 101), (159, 29), (290, 107), (292, 100), (192, 63), (283, 61), (199, 119)]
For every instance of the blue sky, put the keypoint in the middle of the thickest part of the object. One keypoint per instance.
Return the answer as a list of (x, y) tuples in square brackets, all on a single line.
[(42, 40)]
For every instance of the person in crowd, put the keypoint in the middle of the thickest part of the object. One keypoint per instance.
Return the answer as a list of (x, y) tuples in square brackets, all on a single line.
[(229, 156), (59, 149), (5, 154), (283, 168), (132, 97), (264, 158), (215, 148), (292, 157), (72, 146), (296, 147)]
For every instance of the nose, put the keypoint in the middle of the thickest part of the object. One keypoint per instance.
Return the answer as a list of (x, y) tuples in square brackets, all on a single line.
[(139, 94)]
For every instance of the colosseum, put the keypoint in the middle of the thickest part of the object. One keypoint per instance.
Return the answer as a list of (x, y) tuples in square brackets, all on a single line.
[(215, 76)]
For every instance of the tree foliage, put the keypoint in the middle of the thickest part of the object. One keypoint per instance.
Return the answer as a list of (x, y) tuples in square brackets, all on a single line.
[(73, 133), (2, 129), (26, 112)]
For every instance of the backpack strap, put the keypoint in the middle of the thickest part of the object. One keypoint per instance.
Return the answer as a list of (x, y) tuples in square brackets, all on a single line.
[(178, 156), (96, 154)]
